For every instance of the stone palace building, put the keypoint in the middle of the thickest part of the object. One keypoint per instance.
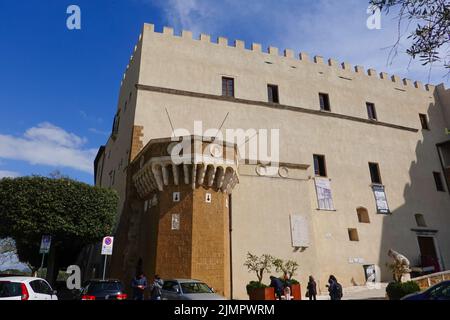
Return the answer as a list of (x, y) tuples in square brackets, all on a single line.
[(362, 165)]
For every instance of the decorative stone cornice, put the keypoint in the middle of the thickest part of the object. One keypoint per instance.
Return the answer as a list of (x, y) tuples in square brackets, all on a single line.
[(157, 170)]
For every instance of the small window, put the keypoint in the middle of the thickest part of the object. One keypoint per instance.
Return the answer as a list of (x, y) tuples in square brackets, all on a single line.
[(324, 102), (424, 121), (272, 91), (420, 220), (320, 168), (371, 112), (363, 215), (227, 87), (353, 234), (438, 181), (375, 173)]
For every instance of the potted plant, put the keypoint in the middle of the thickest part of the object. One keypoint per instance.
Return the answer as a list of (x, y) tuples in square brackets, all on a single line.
[(289, 269), (259, 265)]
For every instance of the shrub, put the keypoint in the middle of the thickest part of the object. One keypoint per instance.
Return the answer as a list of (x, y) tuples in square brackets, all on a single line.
[(252, 285), (397, 290)]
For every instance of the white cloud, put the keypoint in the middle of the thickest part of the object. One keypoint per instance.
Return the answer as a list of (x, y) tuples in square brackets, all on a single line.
[(335, 29), (48, 145), (8, 174)]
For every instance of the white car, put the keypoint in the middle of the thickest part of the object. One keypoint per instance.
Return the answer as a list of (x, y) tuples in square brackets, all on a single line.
[(26, 288)]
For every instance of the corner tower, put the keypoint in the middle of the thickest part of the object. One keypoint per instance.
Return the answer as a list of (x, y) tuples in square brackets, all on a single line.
[(176, 221)]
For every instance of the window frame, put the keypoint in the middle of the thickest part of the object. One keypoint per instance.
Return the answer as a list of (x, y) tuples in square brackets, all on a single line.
[(371, 111), (378, 173), (225, 83), (438, 181), (325, 169), (424, 121), (327, 103), (270, 93)]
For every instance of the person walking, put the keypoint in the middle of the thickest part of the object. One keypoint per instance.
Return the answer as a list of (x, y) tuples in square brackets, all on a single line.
[(278, 285), (156, 288), (334, 288), (139, 284), (311, 289)]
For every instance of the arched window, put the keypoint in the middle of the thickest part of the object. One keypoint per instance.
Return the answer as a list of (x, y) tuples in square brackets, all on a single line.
[(363, 215), (420, 220)]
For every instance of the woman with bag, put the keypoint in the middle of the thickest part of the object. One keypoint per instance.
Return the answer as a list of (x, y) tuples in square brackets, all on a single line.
[(311, 291)]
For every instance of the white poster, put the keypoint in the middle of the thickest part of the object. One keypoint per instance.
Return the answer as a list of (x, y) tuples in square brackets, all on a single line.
[(380, 199), (324, 197), (299, 231), (175, 221)]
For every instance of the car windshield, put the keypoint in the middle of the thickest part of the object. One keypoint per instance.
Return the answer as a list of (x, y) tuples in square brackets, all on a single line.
[(195, 287), (10, 289), (97, 287)]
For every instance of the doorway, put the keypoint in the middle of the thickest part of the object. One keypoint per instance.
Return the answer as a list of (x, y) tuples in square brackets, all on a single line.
[(428, 253)]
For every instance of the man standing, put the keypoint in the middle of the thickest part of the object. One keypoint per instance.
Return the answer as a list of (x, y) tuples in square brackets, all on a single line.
[(277, 285), (156, 288), (139, 284)]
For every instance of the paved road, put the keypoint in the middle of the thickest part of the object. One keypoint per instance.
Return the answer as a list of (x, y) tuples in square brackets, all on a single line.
[(376, 292)]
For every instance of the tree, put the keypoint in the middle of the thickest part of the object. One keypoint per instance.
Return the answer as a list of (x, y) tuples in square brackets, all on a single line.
[(288, 268), (7, 250), (259, 265), (75, 214), (431, 36)]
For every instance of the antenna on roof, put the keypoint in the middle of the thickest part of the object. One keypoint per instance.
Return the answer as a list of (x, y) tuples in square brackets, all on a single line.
[(223, 122), (170, 121)]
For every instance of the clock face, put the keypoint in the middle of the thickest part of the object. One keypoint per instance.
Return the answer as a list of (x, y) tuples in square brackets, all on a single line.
[(283, 172), (215, 150), (261, 170)]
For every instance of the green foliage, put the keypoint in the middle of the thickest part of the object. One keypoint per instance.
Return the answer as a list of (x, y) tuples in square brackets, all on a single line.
[(75, 214), (431, 37), (397, 290), (252, 285)]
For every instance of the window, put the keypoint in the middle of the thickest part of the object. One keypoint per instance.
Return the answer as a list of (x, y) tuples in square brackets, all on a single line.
[(371, 112), (420, 220), (375, 173), (41, 287), (324, 102), (424, 121), (227, 87), (320, 168), (438, 181), (363, 215), (272, 91), (353, 235)]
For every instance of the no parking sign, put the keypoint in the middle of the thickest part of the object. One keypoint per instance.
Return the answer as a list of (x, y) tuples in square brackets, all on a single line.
[(107, 245)]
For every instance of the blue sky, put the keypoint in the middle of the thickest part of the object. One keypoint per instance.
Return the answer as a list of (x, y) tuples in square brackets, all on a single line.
[(59, 88)]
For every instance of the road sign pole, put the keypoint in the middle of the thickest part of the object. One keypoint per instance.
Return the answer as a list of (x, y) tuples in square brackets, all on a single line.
[(42, 263), (104, 267)]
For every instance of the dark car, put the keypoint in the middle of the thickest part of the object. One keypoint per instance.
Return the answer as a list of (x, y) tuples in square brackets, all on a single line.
[(103, 290), (440, 291)]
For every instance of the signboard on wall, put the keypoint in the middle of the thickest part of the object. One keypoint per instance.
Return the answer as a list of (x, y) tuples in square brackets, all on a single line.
[(324, 197), (299, 231), (380, 199)]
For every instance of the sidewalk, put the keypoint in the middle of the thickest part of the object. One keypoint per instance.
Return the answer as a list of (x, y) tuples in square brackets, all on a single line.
[(377, 292)]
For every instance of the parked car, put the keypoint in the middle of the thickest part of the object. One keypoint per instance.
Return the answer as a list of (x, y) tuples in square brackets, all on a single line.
[(26, 288), (65, 293), (109, 289), (188, 289), (440, 291)]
